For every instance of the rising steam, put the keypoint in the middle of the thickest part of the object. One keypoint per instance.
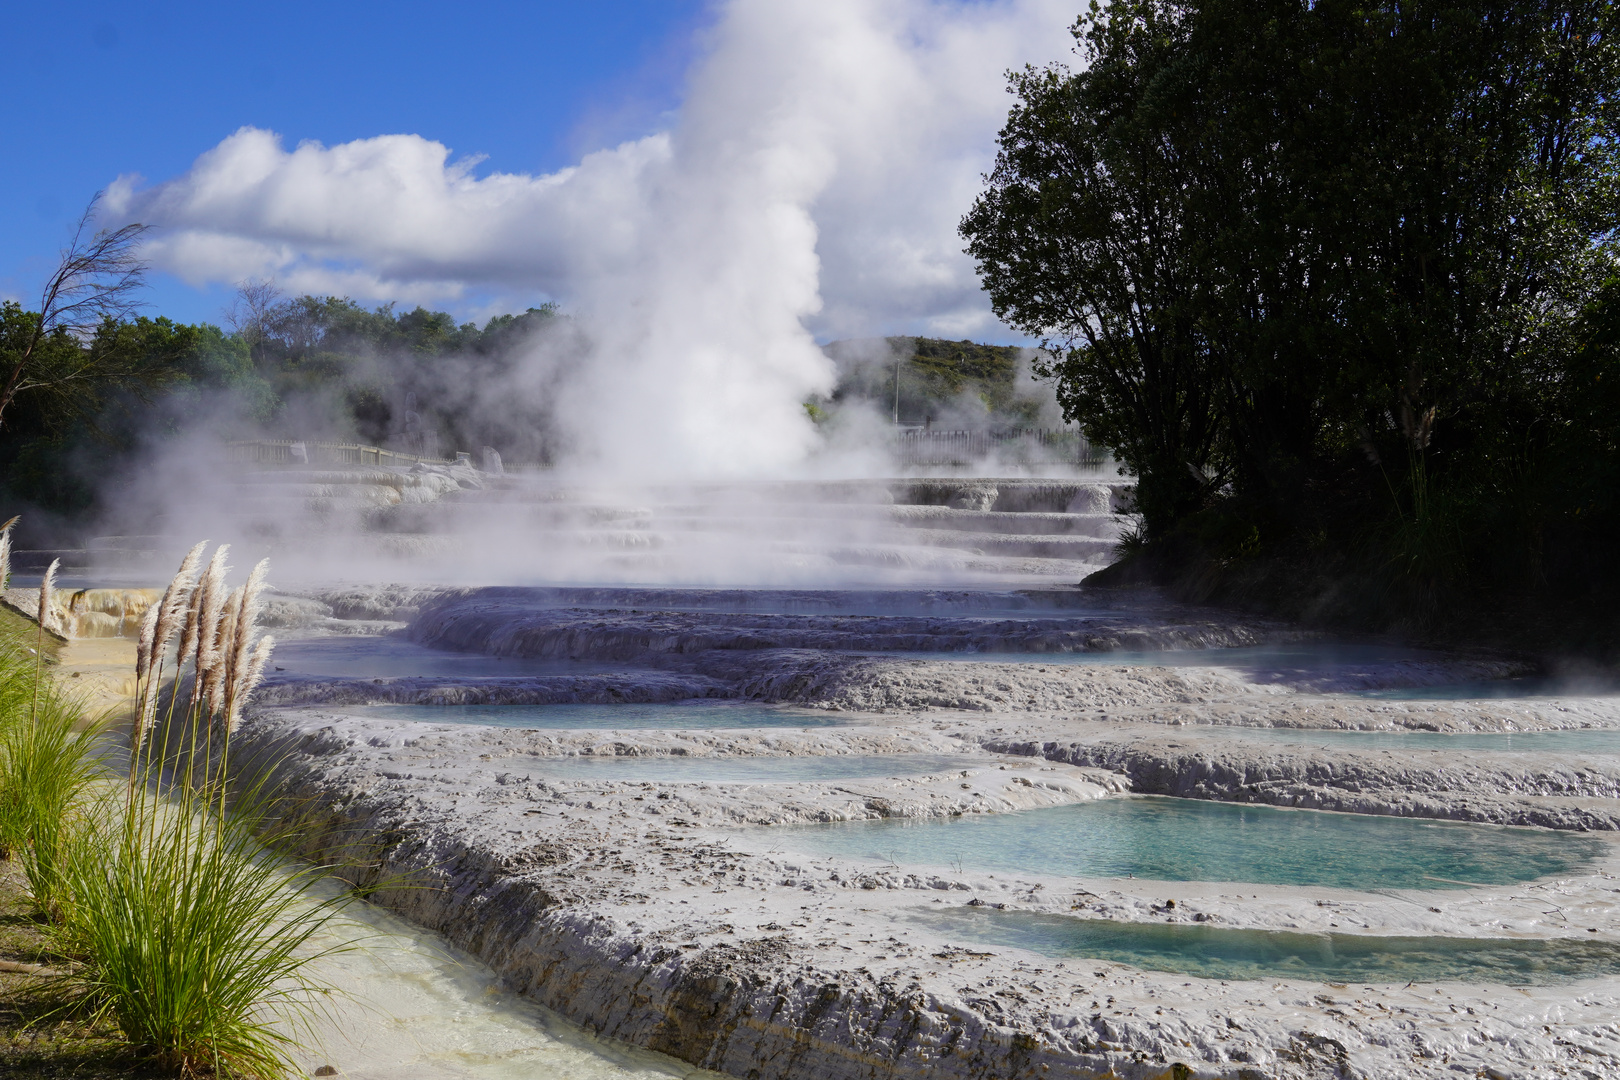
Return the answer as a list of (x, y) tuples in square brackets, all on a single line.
[(810, 185)]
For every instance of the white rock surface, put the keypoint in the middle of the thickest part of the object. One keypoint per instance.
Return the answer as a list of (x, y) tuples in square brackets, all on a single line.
[(646, 912)]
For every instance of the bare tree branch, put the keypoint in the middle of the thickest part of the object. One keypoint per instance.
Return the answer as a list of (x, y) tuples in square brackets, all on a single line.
[(96, 280), (253, 312)]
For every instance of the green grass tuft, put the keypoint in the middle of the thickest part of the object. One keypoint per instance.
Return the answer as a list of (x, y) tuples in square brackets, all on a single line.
[(195, 939)]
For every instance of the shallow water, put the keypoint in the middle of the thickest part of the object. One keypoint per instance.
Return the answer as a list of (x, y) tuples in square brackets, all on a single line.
[(736, 769), (1489, 689), (693, 713), (390, 657), (411, 1005), (1570, 741), (1219, 953), (974, 603), (1193, 840)]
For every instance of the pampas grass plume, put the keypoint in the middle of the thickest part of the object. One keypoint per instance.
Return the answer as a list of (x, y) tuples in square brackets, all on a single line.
[(217, 681), (246, 614), (249, 681), (5, 552), (169, 610), (175, 599), (210, 601), (47, 586), (143, 645)]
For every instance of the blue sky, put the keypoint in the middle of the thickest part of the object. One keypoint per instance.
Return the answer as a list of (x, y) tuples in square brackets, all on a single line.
[(95, 90), (812, 157)]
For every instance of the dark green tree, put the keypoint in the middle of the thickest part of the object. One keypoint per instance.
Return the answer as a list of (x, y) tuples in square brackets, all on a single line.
[(1084, 239), (1264, 238)]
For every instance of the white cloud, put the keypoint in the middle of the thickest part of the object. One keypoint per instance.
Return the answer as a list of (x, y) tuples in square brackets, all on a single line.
[(811, 184), (396, 205), (903, 96)]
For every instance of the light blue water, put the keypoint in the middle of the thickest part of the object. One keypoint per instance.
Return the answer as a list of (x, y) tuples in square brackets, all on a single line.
[(735, 769), (693, 713), (1214, 953), (390, 657), (1572, 741), (1528, 687), (1193, 840)]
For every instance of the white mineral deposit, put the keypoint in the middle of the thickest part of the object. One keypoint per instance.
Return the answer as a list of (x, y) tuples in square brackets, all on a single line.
[(652, 883)]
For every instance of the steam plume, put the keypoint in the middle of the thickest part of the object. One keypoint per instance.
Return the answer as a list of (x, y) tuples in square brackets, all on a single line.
[(810, 185)]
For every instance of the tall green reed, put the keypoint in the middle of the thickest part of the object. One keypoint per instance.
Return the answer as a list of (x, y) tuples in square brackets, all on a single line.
[(48, 766), (48, 761)]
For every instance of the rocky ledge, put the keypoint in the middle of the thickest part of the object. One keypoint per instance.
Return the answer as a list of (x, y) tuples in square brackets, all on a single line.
[(660, 914)]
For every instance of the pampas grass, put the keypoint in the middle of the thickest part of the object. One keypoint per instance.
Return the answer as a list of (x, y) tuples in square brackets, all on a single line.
[(5, 552), (194, 939), (47, 770), (47, 591), (156, 632), (182, 928)]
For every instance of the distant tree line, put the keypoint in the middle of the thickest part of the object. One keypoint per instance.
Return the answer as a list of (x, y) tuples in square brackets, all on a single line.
[(957, 383), (338, 369), (95, 399), (1337, 280)]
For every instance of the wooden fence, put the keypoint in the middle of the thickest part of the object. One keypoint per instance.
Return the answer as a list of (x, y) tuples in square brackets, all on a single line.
[(297, 452), (914, 447), (1023, 446)]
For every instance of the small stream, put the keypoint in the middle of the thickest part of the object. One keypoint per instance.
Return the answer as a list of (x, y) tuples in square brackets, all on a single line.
[(410, 1006)]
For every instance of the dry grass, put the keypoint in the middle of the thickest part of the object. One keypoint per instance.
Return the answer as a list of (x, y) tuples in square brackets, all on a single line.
[(13, 624)]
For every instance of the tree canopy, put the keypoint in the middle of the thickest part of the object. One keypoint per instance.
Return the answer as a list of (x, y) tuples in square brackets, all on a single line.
[(286, 367), (1289, 251), (59, 353)]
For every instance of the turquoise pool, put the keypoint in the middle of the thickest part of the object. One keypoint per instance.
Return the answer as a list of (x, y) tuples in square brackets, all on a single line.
[(1193, 840), (691, 713), (1219, 953)]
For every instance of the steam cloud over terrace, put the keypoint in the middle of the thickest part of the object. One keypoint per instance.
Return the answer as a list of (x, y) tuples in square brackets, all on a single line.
[(809, 186)]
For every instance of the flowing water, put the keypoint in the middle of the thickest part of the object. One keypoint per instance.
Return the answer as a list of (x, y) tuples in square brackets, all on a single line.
[(389, 656), (1302, 656), (1391, 672), (1479, 689), (1218, 953), (690, 714), (409, 1005), (1193, 840)]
